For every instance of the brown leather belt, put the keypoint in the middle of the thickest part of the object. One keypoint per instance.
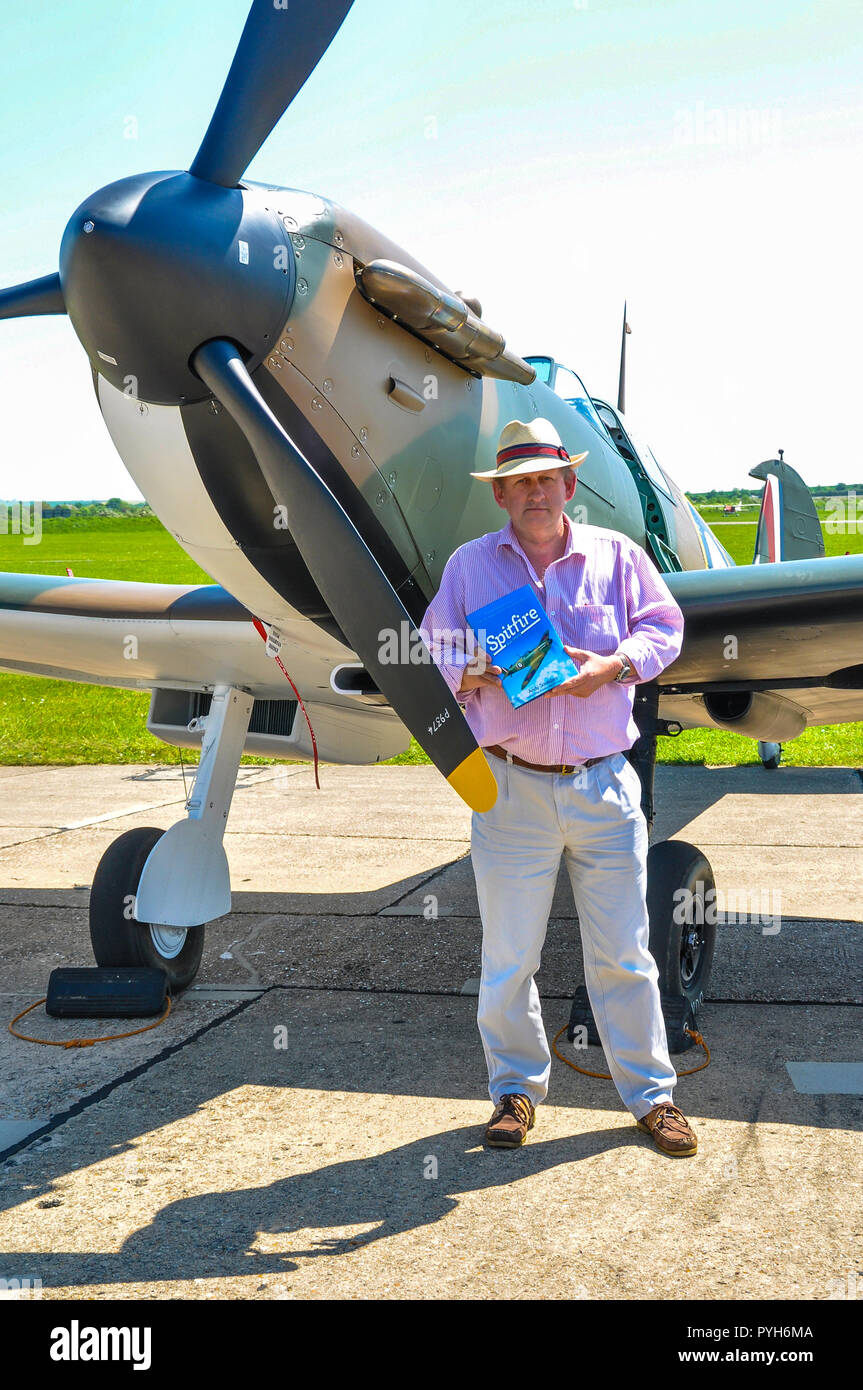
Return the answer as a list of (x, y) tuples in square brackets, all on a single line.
[(539, 767)]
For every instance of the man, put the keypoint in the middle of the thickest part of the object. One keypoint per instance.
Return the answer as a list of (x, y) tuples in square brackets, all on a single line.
[(564, 785)]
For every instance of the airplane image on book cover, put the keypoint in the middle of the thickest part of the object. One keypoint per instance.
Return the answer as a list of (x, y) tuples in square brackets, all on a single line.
[(518, 636)]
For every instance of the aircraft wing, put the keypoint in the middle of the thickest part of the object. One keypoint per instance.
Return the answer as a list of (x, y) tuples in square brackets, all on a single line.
[(175, 638), (791, 631)]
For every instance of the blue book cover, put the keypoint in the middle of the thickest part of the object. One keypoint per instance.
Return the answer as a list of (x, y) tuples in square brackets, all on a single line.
[(518, 636)]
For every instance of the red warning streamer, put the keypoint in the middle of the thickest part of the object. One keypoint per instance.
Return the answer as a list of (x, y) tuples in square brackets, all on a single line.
[(263, 631)]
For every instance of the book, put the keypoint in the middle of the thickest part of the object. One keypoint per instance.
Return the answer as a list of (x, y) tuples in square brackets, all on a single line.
[(519, 636)]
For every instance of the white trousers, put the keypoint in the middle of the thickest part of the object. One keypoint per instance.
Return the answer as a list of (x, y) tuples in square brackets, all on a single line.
[(594, 818)]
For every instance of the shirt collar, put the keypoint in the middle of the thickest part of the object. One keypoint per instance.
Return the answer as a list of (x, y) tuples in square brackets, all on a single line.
[(506, 536)]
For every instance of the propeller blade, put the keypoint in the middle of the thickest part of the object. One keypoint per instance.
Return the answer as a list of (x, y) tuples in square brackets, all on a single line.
[(354, 587), (278, 49), (43, 296)]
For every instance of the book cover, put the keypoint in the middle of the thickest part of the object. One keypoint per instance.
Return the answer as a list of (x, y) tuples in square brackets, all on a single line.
[(519, 636)]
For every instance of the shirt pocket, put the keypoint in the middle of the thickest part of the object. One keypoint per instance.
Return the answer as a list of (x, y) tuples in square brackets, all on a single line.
[(594, 628)]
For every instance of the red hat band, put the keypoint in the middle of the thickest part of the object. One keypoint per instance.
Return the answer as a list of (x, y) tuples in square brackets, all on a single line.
[(529, 451)]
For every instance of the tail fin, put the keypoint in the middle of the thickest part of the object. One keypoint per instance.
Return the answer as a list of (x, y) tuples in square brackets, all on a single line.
[(788, 526)]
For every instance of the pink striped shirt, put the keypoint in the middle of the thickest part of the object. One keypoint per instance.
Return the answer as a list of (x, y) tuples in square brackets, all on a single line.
[(603, 595)]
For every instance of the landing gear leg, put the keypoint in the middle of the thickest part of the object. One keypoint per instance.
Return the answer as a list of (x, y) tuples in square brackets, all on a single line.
[(154, 890), (681, 894), (642, 754), (770, 754)]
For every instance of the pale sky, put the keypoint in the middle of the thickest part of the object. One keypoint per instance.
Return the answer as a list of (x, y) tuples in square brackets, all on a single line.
[(700, 158)]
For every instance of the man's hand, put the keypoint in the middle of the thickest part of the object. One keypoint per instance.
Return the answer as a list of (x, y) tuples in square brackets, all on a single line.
[(593, 672), (479, 672)]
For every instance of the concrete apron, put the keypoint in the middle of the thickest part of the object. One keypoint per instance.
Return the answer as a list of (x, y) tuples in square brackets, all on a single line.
[(308, 1122)]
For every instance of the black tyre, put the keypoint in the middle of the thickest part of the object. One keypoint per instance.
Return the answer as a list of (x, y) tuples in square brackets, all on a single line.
[(770, 754), (120, 940), (681, 904)]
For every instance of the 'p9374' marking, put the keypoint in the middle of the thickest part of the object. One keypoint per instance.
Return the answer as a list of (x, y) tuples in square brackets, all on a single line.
[(438, 721)]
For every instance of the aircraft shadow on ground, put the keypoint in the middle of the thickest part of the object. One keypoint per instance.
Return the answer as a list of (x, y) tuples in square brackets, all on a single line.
[(683, 793), (700, 788)]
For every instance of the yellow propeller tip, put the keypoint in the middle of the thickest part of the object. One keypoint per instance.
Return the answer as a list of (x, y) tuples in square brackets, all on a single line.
[(474, 781)]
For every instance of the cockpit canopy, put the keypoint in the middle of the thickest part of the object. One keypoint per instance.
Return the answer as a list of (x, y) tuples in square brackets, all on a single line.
[(569, 386)]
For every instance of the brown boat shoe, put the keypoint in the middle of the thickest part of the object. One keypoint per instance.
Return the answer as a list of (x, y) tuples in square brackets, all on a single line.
[(513, 1116), (670, 1130)]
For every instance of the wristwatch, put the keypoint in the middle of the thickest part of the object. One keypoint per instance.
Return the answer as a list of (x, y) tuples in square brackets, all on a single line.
[(626, 669)]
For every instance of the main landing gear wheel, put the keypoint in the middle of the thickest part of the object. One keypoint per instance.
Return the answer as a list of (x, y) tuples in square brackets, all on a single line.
[(681, 904), (770, 754), (118, 939)]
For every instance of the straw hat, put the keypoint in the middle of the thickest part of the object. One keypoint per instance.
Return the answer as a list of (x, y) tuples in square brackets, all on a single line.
[(528, 447)]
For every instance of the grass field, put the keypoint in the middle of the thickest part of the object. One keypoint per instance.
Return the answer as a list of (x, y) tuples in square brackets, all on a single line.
[(103, 547), (66, 722), (737, 534)]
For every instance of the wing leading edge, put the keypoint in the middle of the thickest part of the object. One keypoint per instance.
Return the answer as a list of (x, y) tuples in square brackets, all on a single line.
[(793, 629), (171, 638)]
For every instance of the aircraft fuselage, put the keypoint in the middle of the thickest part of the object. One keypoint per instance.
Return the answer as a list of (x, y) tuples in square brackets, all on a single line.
[(392, 424)]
